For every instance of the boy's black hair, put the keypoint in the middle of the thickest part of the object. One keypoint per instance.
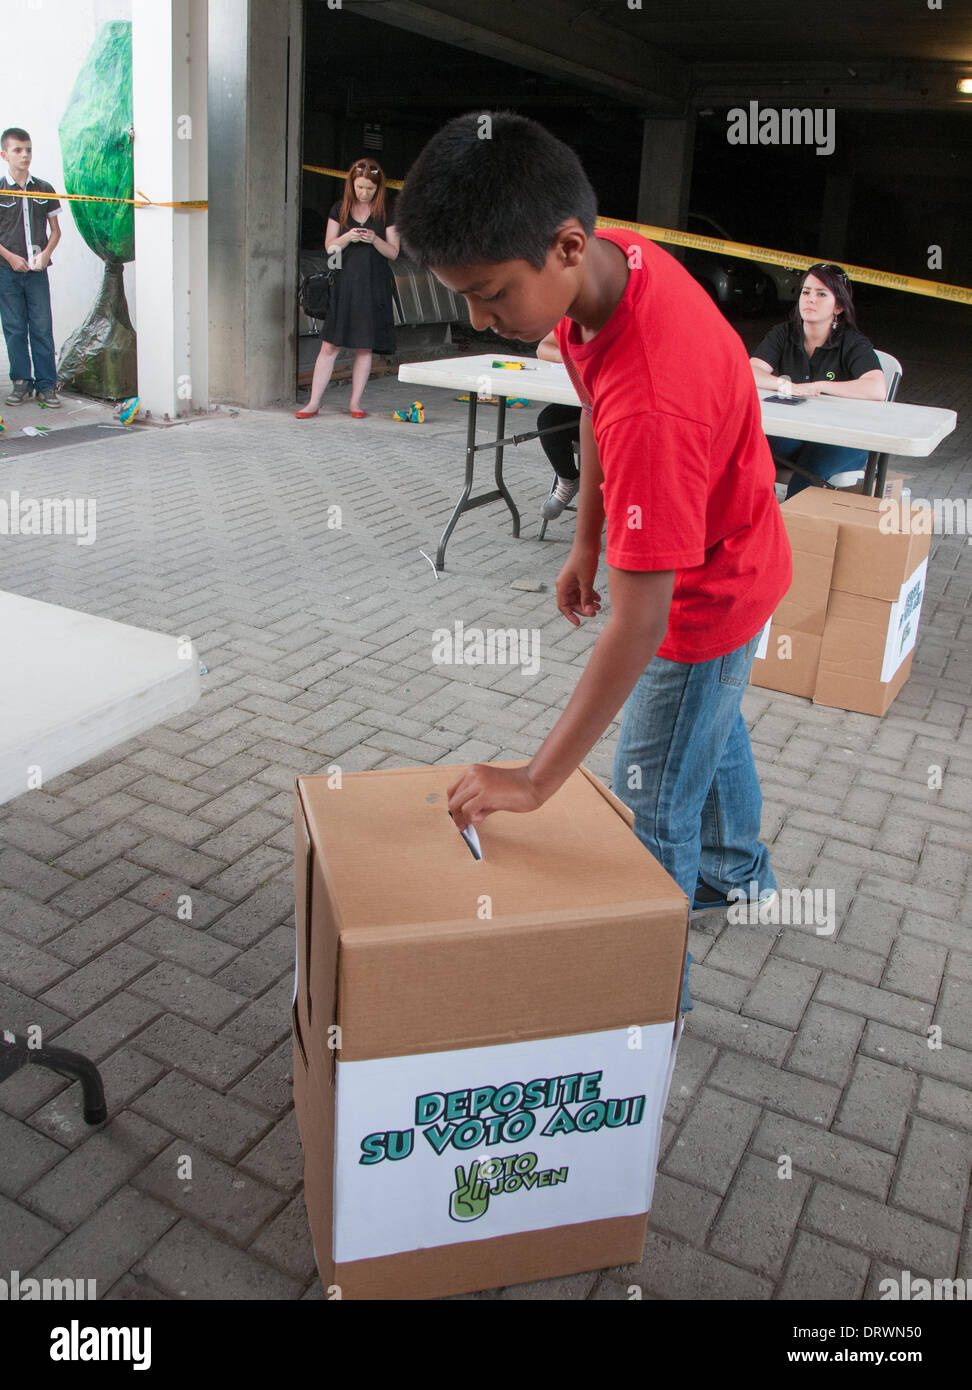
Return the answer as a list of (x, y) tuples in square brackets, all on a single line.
[(491, 186), (12, 133)]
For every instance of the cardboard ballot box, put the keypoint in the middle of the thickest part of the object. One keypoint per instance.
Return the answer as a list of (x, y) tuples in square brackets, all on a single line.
[(482, 1048), (789, 655), (877, 554)]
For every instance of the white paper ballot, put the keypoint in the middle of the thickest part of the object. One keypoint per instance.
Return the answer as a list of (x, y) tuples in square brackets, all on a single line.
[(472, 840)]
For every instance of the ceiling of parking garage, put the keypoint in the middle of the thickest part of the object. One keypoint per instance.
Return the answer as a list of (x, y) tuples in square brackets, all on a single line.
[(663, 56)]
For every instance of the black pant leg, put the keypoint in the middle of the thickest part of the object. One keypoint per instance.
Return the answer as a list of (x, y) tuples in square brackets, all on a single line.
[(559, 447)]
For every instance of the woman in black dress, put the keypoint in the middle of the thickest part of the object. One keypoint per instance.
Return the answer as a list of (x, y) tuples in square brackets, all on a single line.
[(359, 315)]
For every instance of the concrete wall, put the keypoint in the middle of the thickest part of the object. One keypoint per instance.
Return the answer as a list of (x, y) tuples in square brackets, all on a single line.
[(170, 82), (255, 77), (44, 47)]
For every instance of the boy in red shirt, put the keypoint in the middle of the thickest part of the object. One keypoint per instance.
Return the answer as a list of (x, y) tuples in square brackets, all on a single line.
[(673, 458)]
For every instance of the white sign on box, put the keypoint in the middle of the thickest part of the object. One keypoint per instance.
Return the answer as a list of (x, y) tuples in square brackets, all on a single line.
[(763, 647), (464, 1145), (903, 621)]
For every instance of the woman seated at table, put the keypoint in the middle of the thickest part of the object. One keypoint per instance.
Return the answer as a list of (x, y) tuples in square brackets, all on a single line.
[(822, 352), (559, 446)]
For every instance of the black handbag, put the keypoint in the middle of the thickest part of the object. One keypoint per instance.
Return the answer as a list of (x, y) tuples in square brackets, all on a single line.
[(315, 294)]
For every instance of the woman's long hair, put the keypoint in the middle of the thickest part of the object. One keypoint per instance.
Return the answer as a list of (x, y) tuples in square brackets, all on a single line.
[(838, 283), (364, 169)]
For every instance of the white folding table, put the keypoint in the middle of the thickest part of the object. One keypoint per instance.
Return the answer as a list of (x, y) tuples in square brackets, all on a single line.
[(881, 427), (73, 685), (538, 381)]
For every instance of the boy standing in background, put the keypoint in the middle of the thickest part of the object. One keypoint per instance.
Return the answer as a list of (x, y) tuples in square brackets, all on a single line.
[(25, 295)]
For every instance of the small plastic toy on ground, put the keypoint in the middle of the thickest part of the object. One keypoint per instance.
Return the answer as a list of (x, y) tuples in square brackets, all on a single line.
[(129, 409), (412, 415)]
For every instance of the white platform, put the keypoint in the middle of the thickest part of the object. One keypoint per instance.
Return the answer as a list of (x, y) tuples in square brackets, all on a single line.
[(73, 686)]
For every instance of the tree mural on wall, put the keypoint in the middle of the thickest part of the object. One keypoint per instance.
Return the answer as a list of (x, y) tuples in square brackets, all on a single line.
[(96, 149)]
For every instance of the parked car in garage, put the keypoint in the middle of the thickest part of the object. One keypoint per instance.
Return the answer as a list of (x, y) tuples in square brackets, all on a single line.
[(784, 280), (736, 286)]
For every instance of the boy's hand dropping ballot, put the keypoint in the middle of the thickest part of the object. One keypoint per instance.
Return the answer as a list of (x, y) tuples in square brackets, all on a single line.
[(482, 789), (640, 604)]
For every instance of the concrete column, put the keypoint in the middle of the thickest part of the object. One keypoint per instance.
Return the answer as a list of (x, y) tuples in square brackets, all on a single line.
[(667, 148), (835, 212), (255, 103), (169, 62)]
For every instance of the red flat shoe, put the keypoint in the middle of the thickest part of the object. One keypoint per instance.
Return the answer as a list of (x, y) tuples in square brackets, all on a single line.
[(359, 415), (306, 414)]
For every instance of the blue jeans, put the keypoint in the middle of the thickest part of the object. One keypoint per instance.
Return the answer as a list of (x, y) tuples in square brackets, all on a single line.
[(823, 459), (684, 765), (25, 310)]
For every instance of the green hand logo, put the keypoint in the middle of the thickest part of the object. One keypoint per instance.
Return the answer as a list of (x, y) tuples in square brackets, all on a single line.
[(471, 1197)]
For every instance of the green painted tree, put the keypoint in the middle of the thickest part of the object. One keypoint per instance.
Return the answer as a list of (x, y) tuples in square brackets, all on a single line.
[(96, 148)]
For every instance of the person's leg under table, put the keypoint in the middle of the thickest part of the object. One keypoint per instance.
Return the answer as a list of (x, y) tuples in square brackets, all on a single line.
[(825, 460), (680, 724), (559, 445)]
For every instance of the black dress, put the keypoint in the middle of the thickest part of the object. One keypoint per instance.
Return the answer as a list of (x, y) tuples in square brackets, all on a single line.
[(360, 311)]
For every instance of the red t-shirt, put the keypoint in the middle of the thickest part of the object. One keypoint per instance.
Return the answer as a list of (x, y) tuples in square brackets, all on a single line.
[(688, 475)]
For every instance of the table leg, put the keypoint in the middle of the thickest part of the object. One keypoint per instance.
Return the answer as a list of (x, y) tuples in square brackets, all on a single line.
[(882, 474), (498, 471), (869, 472), (460, 506), (15, 1053), (467, 503)]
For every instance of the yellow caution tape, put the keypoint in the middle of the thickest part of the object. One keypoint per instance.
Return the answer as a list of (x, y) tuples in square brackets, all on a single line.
[(858, 273), (343, 173), (140, 202)]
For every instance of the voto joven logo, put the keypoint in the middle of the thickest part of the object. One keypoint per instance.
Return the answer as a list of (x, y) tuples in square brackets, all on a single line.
[(490, 1176), (509, 1113)]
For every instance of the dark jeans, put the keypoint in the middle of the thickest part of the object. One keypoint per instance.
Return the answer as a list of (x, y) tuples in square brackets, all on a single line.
[(559, 447), (823, 459), (25, 310)]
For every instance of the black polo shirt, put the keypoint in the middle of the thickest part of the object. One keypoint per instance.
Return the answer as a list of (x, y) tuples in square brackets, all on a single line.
[(845, 356), (13, 232)]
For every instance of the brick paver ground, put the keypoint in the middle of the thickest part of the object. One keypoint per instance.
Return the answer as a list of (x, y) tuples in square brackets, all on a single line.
[(318, 643)]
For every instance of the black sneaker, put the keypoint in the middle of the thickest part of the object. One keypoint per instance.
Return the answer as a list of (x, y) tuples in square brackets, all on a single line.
[(48, 399), (22, 391), (705, 896)]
